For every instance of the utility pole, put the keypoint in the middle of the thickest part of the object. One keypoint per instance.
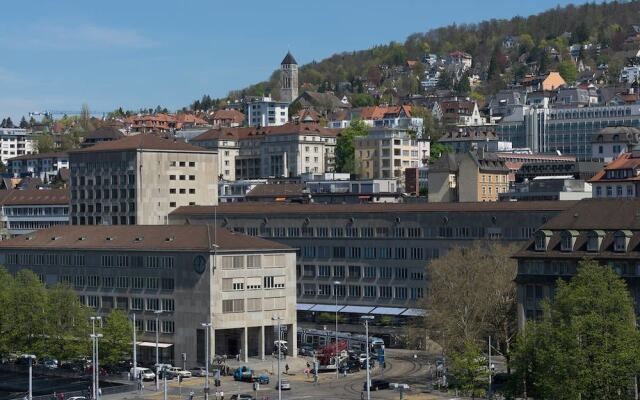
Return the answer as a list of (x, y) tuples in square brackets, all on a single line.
[(278, 319), (335, 352), (366, 319), (94, 356), (490, 372), (157, 313), (207, 327), (135, 368), (31, 357)]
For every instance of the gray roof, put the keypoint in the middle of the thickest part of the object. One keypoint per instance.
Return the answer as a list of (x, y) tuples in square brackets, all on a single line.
[(288, 59), (626, 134)]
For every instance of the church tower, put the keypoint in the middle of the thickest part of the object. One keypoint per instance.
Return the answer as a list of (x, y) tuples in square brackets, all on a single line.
[(288, 79)]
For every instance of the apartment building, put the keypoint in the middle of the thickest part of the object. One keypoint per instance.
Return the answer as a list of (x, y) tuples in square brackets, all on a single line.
[(17, 142), (225, 141), (378, 252), (139, 180), (102, 134), (267, 112), (192, 274), (619, 178), (603, 230), (400, 117), (25, 211), (45, 166), (471, 176), (464, 139), (386, 152)]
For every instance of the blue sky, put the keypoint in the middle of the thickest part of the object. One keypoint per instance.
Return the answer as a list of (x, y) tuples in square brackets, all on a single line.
[(58, 54)]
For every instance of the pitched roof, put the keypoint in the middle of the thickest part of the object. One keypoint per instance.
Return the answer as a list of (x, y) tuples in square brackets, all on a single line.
[(629, 134), (35, 197), (588, 214), (288, 59), (140, 237), (142, 141), (625, 161), (228, 114), (469, 133), (290, 128), (40, 156), (265, 208)]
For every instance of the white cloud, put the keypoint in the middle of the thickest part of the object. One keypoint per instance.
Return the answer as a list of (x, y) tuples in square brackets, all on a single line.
[(81, 36)]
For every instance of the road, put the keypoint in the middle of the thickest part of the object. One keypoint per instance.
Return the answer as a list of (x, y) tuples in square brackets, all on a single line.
[(402, 367)]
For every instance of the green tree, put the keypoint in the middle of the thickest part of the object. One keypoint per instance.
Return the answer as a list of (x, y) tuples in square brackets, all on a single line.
[(438, 149), (6, 318), (463, 87), (45, 143), (116, 343), (362, 100), (29, 312), (23, 123), (345, 149), (568, 71), (470, 370), (586, 345), (67, 324)]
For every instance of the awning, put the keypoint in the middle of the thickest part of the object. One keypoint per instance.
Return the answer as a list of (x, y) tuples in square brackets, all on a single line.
[(303, 307), (387, 311), (414, 312), (153, 344), (325, 308), (357, 309)]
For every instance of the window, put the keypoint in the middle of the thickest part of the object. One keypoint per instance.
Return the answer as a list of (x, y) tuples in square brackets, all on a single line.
[(107, 281), (153, 304), (137, 303), (254, 304), (355, 291), (402, 273), (168, 284), (324, 271), (566, 241), (354, 253), (168, 327), (401, 292), (232, 262), (541, 241), (253, 261), (324, 290), (385, 272), (93, 301), (386, 292), (151, 325), (168, 305), (369, 291), (417, 293), (93, 281), (137, 282), (233, 306), (355, 271), (339, 252), (153, 283), (338, 271), (309, 271), (123, 282), (620, 241), (369, 272), (254, 282), (593, 241)]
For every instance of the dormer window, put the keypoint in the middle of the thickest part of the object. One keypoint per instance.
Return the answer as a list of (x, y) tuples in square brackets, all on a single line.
[(542, 240), (621, 241), (568, 239), (594, 240)]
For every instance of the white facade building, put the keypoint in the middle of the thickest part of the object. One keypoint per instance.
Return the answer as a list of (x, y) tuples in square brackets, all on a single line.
[(17, 142), (267, 112), (44, 166)]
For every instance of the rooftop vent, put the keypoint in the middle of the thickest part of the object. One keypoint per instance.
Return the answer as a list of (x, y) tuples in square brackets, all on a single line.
[(28, 237), (109, 238), (81, 238), (55, 237), (170, 239), (139, 238)]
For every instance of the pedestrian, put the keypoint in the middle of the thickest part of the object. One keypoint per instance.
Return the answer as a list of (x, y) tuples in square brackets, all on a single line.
[(362, 395), (191, 394), (221, 395), (238, 356), (286, 369)]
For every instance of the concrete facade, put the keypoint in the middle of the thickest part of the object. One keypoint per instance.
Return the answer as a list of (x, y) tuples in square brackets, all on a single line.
[(139, 180), (181, 271)]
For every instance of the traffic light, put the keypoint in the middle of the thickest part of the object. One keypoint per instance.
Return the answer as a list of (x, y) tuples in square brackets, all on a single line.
[(217, 383)]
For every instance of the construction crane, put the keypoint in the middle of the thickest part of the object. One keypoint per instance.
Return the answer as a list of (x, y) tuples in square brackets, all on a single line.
[(50, 114)]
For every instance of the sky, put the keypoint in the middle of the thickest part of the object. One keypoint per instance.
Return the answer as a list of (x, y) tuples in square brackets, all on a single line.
[(57, 55)]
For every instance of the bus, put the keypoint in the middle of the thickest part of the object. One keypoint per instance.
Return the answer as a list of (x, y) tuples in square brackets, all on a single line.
[(318, 338)]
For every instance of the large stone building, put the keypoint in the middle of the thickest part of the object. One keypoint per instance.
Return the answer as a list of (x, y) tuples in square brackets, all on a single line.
[(288, 79), (193, 274), (378, 252), (226, 141), (619, 178), (266, 111), (139, 180), (604, 230), (25, 211), (471, 176)]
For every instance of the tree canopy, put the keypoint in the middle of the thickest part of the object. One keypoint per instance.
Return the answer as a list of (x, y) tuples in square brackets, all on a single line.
[(345, 149), (586, 345)]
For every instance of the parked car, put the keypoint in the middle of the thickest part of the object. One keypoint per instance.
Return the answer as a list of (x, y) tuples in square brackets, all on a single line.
[(77, 398), (179, 372), (50, 363), (262, 379), (201, 371), (306, 351), (166, 374), (377, 384), (145, 373), (350, 366), (242, 397), (284, 384)]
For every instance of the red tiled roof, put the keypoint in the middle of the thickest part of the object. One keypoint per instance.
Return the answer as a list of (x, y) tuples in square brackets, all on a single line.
[(625, 161), (39, 156), (250, 132), (224, 115), (37, 197)]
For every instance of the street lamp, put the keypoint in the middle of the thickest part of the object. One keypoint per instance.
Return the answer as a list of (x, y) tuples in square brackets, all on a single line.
[(207, 326), (278, 319), (31, 357), (94, 354), (96, 367), (157, 313), (366, 319), (335, 354), (135, 345)]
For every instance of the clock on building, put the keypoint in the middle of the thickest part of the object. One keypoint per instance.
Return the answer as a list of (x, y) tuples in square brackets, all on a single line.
[(199, 264)]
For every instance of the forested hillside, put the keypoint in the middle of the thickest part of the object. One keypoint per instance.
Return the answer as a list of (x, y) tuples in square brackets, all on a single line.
[(502, 50)]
